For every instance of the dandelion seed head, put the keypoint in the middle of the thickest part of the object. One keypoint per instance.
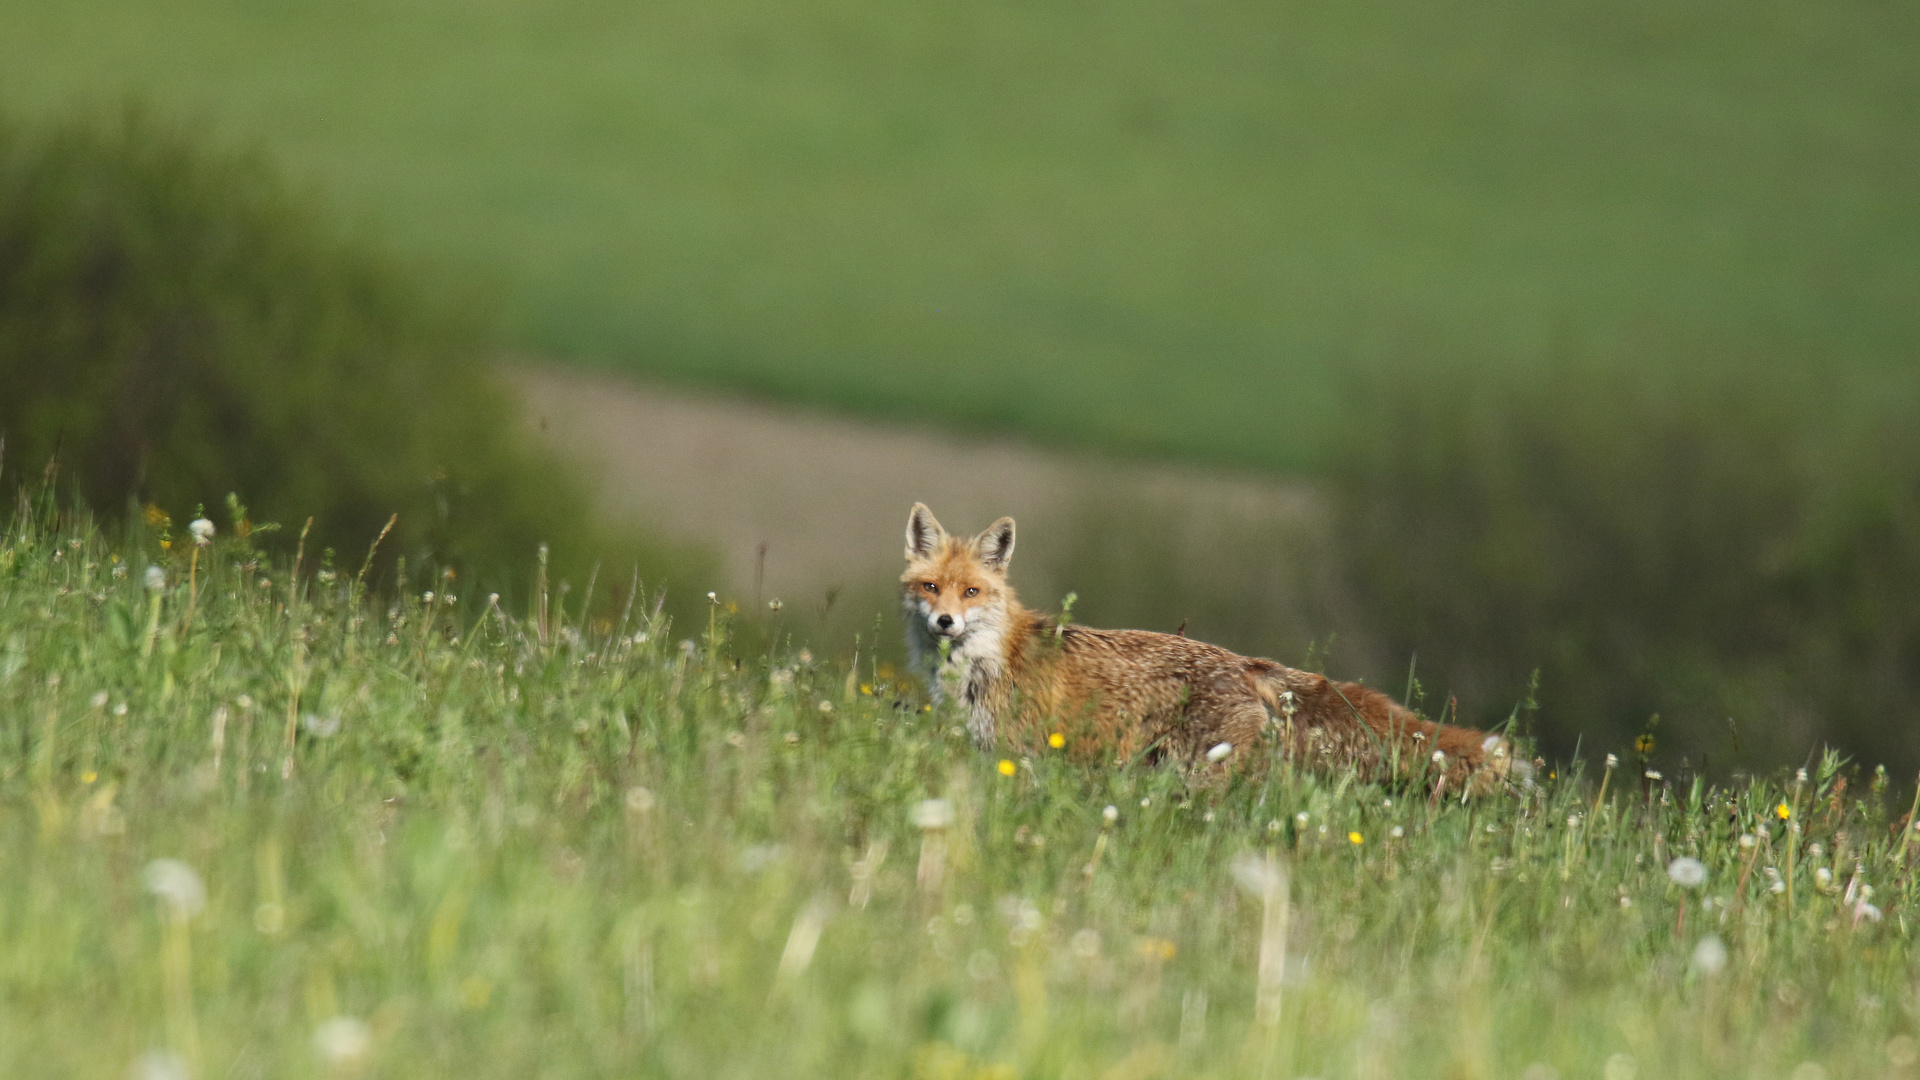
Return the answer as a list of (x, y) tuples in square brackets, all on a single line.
[(1864, 910), (1687, 872), (156, 578), (175, 883), (1709, 955), (932, 814), (1396, 832), (342, 1041), (1219, 752), (202, 531), (1111, 814), (1439, 757), (1823, 876)]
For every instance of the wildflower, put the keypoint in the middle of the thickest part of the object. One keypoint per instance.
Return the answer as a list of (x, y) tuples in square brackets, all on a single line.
[(1746, 841), (1356, 839), (202, 531), (1006, 767), (1219, 752), (175, 882), (1823, 876), (1386, 804), (1144, 803), (1111, 814), (1396, 832), (826, 708), (1710, 955), (1643, 744), (1816, 849), (1653, 774), (1056, 740), (1612, 762), (1783, 811), (775, 604), (320, 726), (100, 700), (1864, 910), (156, 578), (1439, 757), (791, 738), (713, 598), (1300, 819), (1207, 817), (342, 1041), (932, 814), (1573, 821), (1273, 827), (1800, 776), (1687, 872), (89, 776), (161, 1065), (866, 689)]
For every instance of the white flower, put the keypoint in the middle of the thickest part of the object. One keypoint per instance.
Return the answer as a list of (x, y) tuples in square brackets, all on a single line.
[(160, 1065), (100, 700), (713, 598), (1823, 876), (1396, 832), (318, 726), (1687, 872), (1220, 752), (1612, 762), (1653, 774), (1111, 814), (1439, 757), (175, 882), (1746, 840), (1710, 955), (933, 814), (202, 531), (342, 1041), (1800, 776), (1864, 910), (1256, 875), (156, 578)]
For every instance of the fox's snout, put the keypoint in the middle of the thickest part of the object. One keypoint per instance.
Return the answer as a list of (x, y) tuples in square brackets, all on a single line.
[(945, 623)]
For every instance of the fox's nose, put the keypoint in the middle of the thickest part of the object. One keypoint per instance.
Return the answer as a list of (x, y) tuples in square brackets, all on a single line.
[(945, 622)]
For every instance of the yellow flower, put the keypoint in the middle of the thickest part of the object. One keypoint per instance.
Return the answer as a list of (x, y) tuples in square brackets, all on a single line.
[(1157, 948), (867, 689), (1006, 767), (1644, 744), (1355, 838), (89, 776), (1783, 811), (926, 708), (155, 516), (166, 545), (1056, 740)]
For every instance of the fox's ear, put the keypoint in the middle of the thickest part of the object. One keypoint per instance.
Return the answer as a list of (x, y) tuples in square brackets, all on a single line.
[(995, 546), (923, 532)]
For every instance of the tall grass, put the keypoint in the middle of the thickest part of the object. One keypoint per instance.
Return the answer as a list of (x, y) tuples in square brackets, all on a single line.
[(258, 824)]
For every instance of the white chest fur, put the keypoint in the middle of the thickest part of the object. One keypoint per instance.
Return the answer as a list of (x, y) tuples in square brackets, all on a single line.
[(966, 674)]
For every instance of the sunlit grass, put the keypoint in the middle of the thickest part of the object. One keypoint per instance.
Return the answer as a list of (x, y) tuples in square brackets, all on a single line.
[(317, 833)]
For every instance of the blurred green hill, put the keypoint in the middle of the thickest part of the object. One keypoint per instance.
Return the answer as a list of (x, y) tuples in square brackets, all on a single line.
[(1151, 227)]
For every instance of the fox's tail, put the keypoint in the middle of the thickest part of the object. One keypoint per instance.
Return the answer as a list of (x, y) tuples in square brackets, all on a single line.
[(1352, 720)]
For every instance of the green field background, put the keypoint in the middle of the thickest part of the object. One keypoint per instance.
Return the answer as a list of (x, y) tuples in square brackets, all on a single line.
[(1152, 227)]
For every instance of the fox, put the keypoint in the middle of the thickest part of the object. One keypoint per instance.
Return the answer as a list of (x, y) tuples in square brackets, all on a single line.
[(1028, 679)]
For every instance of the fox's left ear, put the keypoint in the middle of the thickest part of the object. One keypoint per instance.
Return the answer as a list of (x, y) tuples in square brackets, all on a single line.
[(995, 546)]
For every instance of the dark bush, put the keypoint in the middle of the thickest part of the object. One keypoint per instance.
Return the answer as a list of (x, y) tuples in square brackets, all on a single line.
[(176, 323), (1741, 557)]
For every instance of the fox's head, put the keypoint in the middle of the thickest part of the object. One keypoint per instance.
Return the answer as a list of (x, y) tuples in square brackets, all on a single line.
[(953, 584)]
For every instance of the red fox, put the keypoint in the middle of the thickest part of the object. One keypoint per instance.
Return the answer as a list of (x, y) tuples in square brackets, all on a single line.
[(1023, 677)]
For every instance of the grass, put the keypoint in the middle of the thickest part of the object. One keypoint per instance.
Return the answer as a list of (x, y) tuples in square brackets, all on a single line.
[(424, 836), (1146, 228)]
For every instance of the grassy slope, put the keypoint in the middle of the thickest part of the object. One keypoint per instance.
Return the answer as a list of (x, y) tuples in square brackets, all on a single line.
[(1155, 227), (606, 855)]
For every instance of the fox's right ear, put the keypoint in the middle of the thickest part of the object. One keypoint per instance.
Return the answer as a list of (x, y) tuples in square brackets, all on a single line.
[(923, 532)]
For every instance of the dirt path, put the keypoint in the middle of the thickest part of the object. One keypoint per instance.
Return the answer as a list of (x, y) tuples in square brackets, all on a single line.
[(826, 499)]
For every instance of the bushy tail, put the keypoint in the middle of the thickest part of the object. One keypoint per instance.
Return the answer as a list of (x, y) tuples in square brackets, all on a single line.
[(1349, 720)]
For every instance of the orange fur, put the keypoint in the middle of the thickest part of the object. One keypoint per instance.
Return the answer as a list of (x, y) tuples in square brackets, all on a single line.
[(1124, 694)]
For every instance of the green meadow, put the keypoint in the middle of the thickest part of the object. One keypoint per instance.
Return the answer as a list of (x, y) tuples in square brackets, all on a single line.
[(255, 822), (1152, 228)]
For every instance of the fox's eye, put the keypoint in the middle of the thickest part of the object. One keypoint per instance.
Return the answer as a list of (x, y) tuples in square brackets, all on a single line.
[(973, 592), (930, 587)]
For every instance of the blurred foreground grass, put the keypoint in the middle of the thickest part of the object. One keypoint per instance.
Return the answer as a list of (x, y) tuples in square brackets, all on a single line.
[(257, 823)]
